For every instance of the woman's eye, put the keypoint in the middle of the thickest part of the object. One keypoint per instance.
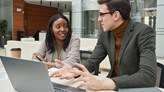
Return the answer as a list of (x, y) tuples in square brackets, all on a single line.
[(58, 27)]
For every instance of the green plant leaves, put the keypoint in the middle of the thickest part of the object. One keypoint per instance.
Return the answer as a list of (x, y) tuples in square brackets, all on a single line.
[(3, 26)]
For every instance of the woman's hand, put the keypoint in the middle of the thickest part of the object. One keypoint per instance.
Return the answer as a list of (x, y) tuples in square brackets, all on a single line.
[(38, 56), (50, 64)]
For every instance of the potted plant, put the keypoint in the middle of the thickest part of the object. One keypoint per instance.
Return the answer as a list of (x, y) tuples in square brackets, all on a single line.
[(3, 31)]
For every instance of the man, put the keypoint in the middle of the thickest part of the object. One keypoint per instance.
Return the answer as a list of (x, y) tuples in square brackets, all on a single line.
[(129, 45)]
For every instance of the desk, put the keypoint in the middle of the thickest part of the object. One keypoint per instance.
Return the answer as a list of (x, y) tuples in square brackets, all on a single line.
[(6, 86)]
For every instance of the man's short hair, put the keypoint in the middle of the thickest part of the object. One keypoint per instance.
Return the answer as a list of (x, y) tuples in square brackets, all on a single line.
[(123, 6)]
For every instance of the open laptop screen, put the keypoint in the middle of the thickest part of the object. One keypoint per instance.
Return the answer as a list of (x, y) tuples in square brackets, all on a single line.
[(31, 76)]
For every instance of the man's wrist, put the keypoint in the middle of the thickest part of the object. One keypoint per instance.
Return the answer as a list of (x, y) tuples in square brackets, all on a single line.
[(108, 84), (115, 86)]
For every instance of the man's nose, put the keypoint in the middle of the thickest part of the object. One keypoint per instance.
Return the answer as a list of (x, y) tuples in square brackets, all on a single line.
[(99, 19)]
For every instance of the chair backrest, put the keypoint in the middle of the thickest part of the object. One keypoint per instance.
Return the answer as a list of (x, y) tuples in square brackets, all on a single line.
[(84, 55), (160, 75), (87, 44), (31, 39)]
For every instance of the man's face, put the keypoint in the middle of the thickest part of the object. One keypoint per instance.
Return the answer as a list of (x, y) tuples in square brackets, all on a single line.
[(105, 18)]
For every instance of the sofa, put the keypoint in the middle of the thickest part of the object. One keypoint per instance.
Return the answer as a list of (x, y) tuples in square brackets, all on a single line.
[(29, 46)]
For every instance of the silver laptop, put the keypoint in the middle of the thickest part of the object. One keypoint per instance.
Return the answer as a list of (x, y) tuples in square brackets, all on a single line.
[(32, 76)]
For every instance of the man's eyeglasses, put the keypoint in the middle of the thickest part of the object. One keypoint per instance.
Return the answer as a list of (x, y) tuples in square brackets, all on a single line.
[(102, 14)]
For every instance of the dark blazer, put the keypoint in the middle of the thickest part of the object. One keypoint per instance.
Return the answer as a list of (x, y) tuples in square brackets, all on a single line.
[(137, 60)]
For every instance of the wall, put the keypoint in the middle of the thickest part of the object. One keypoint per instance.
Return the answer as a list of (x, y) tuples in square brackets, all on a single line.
[(83, 23), (31, 17), (37, 17), (18, 17), (160, 29), (77, 17), (90, 5), (6, 5)]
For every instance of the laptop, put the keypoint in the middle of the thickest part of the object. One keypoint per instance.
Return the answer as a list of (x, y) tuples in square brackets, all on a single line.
[(32, 76)]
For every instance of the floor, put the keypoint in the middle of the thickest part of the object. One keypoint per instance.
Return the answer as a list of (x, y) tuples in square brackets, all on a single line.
[(2, 53), (2, 71)]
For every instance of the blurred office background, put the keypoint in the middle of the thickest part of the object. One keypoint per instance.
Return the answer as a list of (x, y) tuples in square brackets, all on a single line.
[(27, 17)]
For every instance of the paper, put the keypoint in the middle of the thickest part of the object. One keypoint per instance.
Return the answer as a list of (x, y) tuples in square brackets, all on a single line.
[(51, 70), (3, 76), (150, 89)]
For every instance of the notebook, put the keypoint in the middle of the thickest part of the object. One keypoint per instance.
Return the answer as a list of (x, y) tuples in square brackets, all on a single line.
[(32, 76)]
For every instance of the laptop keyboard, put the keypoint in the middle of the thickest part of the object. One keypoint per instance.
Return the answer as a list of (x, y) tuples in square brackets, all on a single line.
[(64, 88)]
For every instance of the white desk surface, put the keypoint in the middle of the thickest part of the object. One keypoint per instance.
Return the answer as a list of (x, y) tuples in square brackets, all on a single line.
[(5, 84)]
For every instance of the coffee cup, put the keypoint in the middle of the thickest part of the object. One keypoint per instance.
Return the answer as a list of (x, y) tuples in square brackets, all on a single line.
[(16, 52)]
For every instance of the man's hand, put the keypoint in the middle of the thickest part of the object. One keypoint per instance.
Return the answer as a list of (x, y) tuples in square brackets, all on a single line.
[(65, 72), (91, 81)]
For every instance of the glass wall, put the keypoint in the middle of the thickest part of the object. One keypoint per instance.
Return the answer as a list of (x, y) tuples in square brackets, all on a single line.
[(142, 11), (6, 8), (160, 29), (91, 27)]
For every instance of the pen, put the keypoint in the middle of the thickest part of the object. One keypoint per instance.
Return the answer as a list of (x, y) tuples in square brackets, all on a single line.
[(38, 58)]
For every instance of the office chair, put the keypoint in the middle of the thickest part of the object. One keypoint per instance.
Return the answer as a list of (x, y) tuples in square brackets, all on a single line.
[(160, 75), (84, 55)]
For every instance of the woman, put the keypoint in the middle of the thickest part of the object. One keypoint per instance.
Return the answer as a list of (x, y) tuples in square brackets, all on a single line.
[(59, 43)]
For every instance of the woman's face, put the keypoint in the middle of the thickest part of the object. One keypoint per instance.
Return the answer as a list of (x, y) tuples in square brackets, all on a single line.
[(60, 29)]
